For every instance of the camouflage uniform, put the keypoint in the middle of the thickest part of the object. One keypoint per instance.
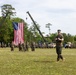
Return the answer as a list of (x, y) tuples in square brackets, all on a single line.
[(59, 46), (32, 46), (20, 47), (12, 47)]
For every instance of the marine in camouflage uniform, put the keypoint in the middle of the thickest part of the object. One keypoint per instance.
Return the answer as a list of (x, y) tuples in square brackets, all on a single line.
[(32, 46), (20, 47), (12, 46), (59, 39)]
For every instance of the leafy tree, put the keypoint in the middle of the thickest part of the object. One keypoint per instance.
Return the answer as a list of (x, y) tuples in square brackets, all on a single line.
[(75, 38), (6, 23), (35, 34), (34, 30), (70, 38), (52, 37), (48, 26), (7, 10)]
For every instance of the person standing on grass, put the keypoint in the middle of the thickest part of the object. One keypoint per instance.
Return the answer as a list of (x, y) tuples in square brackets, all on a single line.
[(12, 46), (20, 46), (59, 39), (32, 46)]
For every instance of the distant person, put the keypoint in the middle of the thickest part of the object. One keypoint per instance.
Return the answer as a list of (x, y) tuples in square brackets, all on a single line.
[(23, 46), (12, 46), (20, 46), (32, 47), (26, 45), (59, 39)]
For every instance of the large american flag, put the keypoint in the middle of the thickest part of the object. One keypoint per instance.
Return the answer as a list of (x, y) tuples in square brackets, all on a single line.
[(18, 33)]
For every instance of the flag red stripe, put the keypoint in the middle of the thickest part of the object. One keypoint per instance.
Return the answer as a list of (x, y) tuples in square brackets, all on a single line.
[(19, 34)]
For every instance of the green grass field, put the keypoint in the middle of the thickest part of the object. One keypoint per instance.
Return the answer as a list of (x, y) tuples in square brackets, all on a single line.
[(39, 62)]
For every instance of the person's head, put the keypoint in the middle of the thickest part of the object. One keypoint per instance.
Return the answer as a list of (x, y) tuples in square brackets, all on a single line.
[(59, 31)]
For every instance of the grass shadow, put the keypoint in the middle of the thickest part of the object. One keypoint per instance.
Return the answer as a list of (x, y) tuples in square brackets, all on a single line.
[(44, 61)]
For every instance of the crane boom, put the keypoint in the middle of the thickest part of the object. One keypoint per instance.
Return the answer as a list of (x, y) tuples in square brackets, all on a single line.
[(36, 26)]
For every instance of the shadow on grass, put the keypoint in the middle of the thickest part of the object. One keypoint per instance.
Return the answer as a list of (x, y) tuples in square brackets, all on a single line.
[(44, 61)]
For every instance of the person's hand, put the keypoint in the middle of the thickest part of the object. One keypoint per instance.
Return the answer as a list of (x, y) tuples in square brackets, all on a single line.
[(59, 39)]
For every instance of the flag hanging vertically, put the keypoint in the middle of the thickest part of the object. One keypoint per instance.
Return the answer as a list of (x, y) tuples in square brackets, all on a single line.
[(18, 33)]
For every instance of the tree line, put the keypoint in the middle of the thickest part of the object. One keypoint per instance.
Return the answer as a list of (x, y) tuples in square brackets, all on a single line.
[(30, 33)]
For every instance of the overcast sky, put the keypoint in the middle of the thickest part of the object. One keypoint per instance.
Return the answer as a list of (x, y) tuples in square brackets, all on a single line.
[(60, 13)]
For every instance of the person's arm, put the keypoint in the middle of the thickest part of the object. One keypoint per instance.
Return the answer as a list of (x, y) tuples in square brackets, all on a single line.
[(61, 39)]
